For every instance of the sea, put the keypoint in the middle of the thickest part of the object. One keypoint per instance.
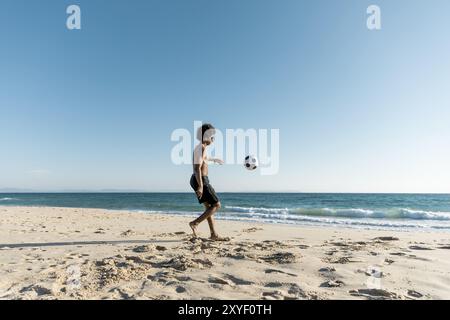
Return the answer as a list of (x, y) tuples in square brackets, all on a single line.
[(408, 212)]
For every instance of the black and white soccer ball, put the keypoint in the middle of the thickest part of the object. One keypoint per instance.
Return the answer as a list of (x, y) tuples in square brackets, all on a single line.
[(251, 163)]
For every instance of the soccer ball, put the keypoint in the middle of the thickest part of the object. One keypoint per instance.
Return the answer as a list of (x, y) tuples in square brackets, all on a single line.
[(251, 163)]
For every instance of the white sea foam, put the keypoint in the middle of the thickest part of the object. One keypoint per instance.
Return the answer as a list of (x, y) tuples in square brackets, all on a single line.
[(400, 219), (400, 213), (358, 223), (7, 199)]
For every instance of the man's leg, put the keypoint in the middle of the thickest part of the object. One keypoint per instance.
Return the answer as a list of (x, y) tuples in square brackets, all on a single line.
[(211, 227), (214, 235), (210, 210)]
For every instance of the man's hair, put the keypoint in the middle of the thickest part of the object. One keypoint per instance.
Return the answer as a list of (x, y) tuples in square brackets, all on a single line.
[(202, 130)]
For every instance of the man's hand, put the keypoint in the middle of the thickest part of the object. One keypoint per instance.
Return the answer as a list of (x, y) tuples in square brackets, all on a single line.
[(219, 161), (199, 192)]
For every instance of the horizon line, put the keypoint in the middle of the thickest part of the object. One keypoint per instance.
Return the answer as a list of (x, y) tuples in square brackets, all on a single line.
[(188, 192)]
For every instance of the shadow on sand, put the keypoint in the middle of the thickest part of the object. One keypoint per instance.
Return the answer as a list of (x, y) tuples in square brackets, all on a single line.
[(80, 243)]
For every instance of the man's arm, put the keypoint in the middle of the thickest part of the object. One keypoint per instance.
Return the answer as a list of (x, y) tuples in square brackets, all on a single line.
[(215, 160), (198, 162), (198, 176)]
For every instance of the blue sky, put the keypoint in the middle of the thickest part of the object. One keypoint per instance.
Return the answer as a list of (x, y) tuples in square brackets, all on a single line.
[(93, 109)]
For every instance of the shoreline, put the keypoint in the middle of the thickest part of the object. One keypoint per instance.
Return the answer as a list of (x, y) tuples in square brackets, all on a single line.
[(250, 220), (78, 253)]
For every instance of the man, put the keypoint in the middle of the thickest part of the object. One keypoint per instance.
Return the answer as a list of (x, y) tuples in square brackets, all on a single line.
[(200, 182)]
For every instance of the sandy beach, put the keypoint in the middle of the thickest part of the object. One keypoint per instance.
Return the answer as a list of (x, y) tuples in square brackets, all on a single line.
[(62, 253)]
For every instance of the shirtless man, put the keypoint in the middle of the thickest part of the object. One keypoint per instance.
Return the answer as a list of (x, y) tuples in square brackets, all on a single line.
[(200, 182)]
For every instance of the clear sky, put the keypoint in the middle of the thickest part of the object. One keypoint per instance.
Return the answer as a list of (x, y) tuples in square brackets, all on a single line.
[(93, 109)]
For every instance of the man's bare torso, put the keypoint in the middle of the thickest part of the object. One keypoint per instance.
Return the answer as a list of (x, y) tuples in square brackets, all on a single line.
[(201, 156)]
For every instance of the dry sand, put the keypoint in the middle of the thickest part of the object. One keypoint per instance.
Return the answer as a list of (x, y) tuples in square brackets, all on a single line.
[(62, 253)]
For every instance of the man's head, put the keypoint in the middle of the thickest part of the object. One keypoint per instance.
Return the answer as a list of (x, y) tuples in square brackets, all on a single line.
[(205, 133)]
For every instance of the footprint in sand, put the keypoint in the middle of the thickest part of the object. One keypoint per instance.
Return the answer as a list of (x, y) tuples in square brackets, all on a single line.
[(400, 254), (375, 294), (273, 285), (170, 234), (121, 293), (419, 248), (183, 278), (294, 292), (183, 263), (238, 281), (327, 270), (412, 256), (329, 274), (143, 249), (339, 244), (331, 252), (280, 258), (274, 295), (386, 239), (414, 294), (332, 284), (127, 233), (279, 271), (161, 276), (37, 289), (218, 280), (254, 229), (340, 260)]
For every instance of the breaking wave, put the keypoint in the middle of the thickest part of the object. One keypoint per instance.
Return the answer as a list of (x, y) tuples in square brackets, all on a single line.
[(7, 199), (398, 213)]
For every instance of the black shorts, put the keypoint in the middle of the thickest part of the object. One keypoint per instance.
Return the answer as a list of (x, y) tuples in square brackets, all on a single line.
[(209, 194)]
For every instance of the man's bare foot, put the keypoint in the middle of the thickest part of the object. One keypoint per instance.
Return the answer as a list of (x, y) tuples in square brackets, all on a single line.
[(193, 226), (215, 237)]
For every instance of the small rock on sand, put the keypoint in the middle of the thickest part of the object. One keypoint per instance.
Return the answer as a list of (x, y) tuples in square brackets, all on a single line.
[(180, 289)]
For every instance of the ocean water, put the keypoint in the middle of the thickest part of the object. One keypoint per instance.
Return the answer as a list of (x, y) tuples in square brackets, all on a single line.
[(371, 211)]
